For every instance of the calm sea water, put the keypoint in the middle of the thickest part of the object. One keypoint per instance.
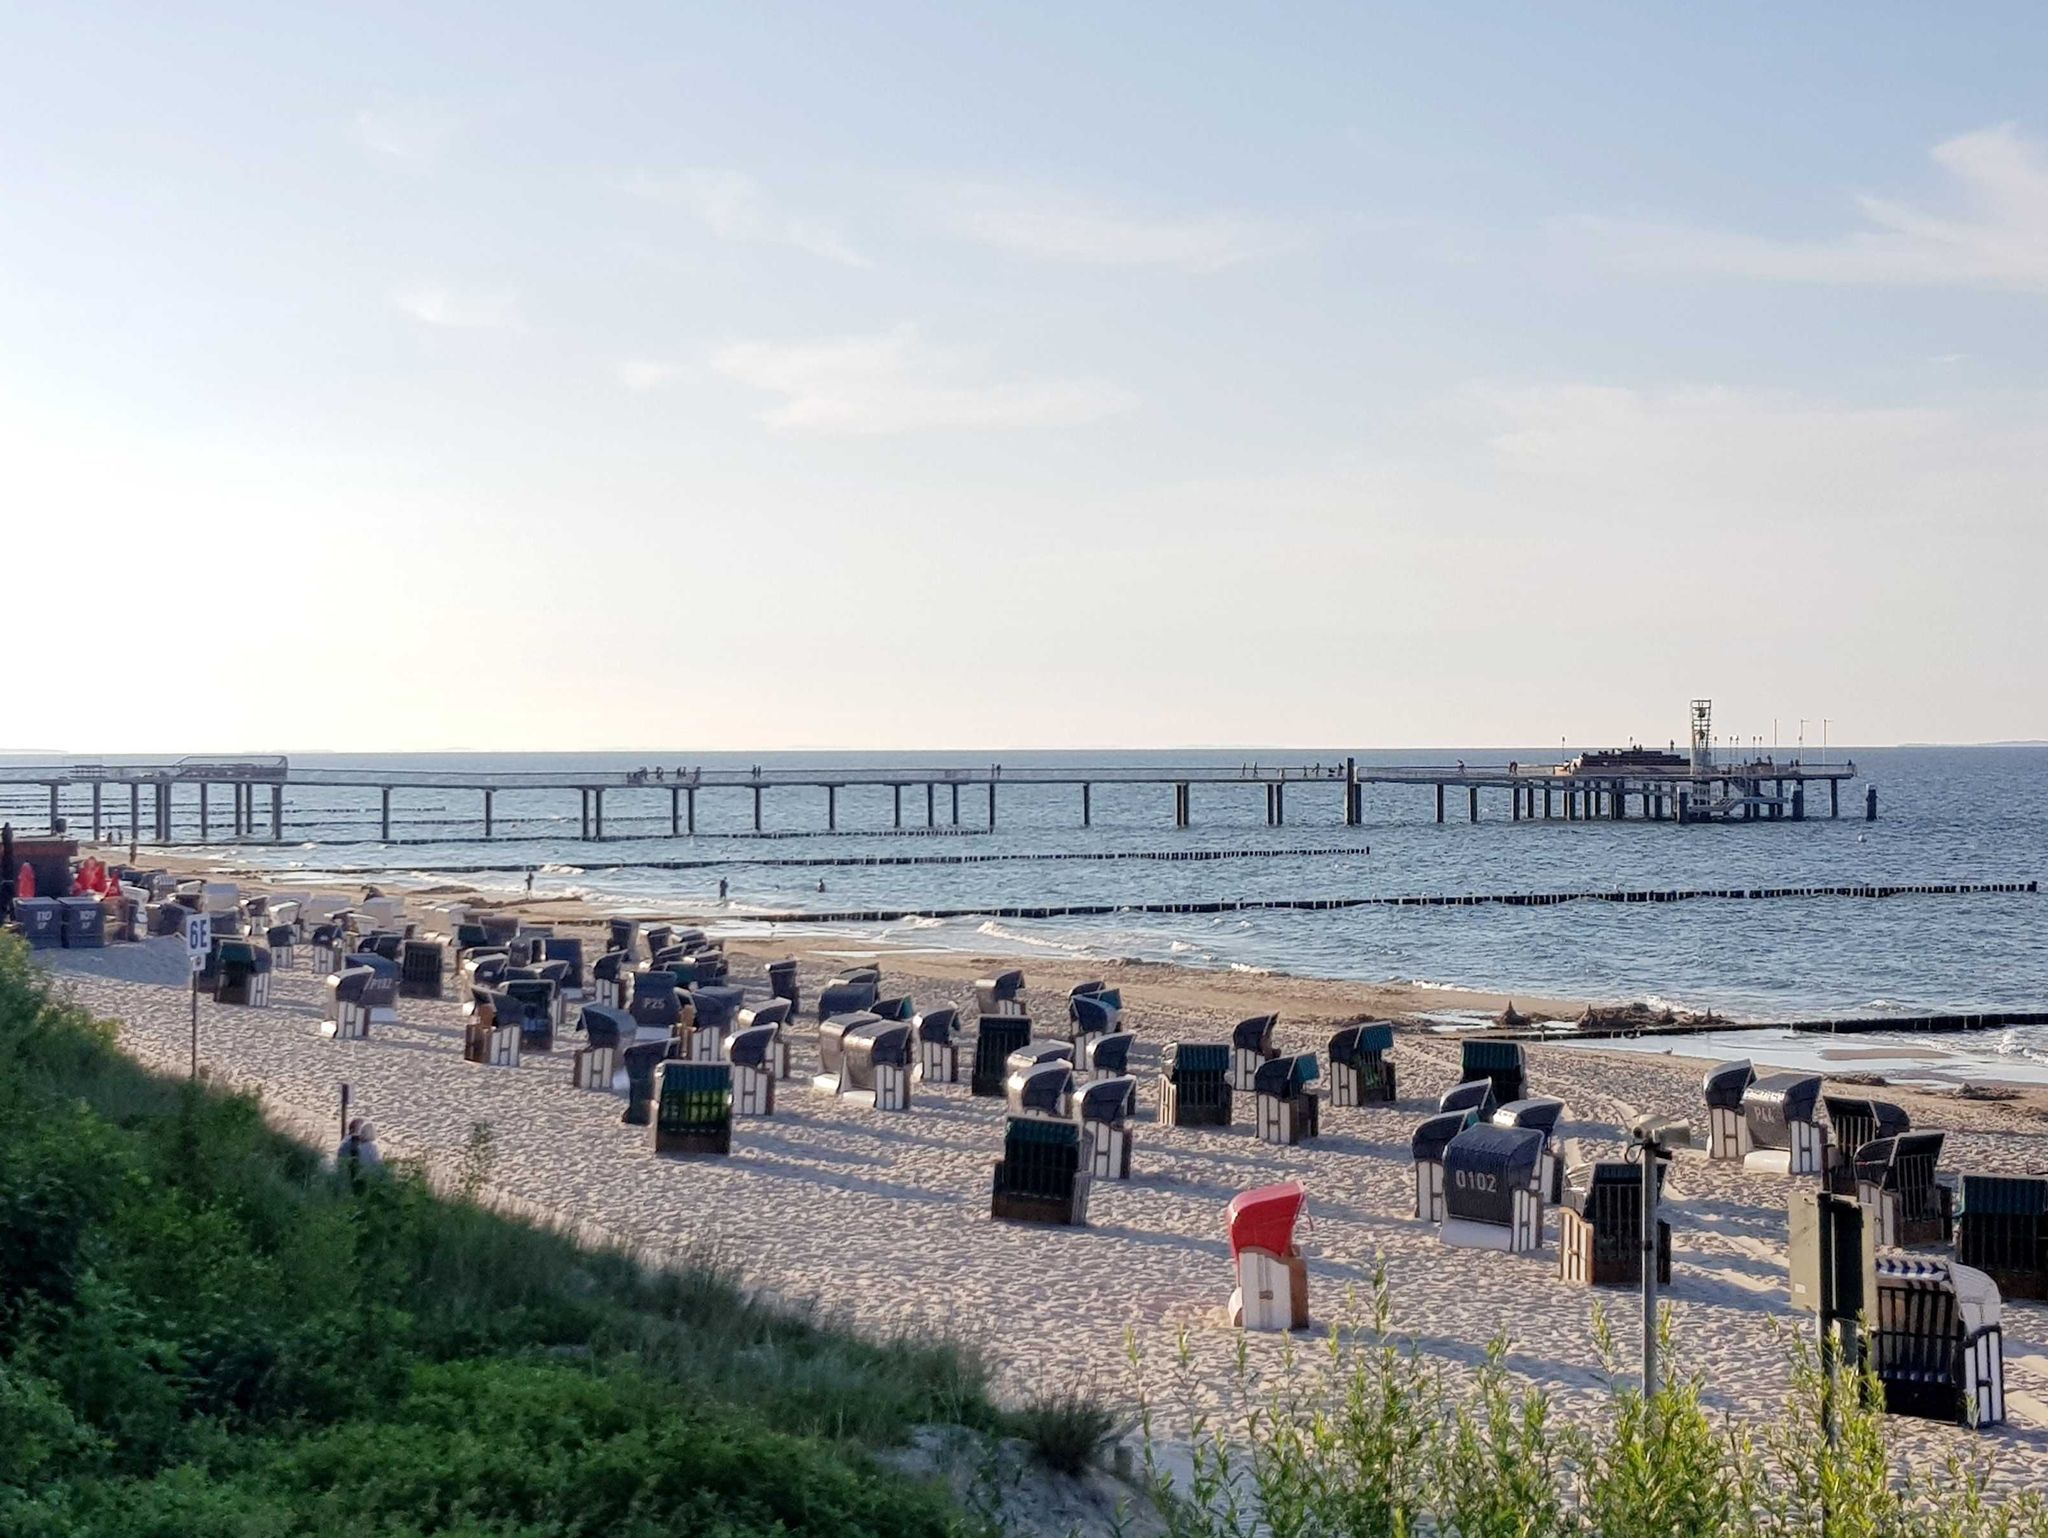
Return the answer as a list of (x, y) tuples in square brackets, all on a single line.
[(1947, 814)]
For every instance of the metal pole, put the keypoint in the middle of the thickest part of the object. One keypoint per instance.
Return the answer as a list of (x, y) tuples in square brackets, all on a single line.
[(344, 1111), (1648, 1240), (193, 1072)]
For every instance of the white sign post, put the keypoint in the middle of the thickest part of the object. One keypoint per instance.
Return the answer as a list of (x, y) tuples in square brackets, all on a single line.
[(198, 941)]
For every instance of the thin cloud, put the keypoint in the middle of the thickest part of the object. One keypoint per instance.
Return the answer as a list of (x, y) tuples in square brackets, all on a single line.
[(1058, 227), (1997, 237), (416, 132), (734, 206), (897, 383), (433, 304), (648, 373)]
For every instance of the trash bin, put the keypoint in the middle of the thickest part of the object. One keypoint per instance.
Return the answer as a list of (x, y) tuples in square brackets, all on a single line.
[(935, 1032), (1194, 1084), (1361, 1072), (606, 1030), (996, 1037), (1784, 1138), (1104, 1108), (1727, 1128), (85, 922), (42, 922), (1490, 1196), (1272, 1275), (1002, 994), (754, 1052), (1041, 1089), (875, 1067), (1428, 1145), (1283, 1105)]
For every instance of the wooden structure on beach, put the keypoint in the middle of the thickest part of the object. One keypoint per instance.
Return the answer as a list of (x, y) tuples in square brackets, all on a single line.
[(244, 799)]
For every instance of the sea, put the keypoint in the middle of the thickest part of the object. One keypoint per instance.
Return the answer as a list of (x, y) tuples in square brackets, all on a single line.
[(1945, 814)]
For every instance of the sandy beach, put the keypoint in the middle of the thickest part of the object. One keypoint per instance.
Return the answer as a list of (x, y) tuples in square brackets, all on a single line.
[(884, 1217)]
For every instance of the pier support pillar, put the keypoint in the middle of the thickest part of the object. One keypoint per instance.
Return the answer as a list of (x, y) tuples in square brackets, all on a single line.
[(1546, 804), (1354, 802), (675, 810), (1515, 801), (931, 814), (898, 792), (991, 804), (1834, 798), (597, 813), (831, 808), (163, 812), (956, 803), (95, 811), (1870, 804), (1439, 803), (135, 810), (757, 809), (1799, 802), (385, 818), (1181, 814), (583, 814), (277, 814), (488, 811), (1778, 805), (204, 820), (1279, 806), (1087, 810), (1472, 802)]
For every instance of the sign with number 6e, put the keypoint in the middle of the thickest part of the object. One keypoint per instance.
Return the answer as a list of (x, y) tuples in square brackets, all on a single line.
[(198, 939)]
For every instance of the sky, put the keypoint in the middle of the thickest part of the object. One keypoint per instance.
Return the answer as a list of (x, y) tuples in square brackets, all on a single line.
[(884, 376)]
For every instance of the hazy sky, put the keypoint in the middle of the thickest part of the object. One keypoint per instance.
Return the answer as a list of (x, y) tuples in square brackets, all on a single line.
[(873, 375)]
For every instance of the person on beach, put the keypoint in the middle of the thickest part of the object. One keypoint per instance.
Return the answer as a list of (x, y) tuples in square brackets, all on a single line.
[(529, 881), (358, 1152), (721, 889)]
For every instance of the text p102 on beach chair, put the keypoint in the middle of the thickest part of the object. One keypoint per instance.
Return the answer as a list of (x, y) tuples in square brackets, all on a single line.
[(1490, 1197)]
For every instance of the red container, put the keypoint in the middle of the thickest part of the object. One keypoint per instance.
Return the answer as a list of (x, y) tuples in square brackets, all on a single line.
[(1263, 1219)]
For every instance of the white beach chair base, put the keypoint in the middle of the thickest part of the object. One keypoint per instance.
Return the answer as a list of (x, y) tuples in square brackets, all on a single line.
[(1271, 1291), (1343, 1087), (891, 1091), (938, 1062), (1082, 1041), (1429, 1190), (612, 995), (1281, 1122), (352, 1023), (1109, 1150), (1806, 1156), (284, 957), (1244, 1068), (1520, 1237), (1727, 1134), (753, 1092), (778, 1058), (703, 1045), (504, 1046), (594, 1068)]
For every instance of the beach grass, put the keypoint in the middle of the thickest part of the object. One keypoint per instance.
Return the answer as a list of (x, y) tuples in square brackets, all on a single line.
[(204, 1331)]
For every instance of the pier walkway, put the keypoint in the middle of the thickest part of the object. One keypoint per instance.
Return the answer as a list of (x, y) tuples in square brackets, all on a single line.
[(92, 794)]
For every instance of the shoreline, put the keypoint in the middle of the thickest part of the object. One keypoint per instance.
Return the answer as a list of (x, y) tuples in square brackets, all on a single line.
[(1934, 1070)]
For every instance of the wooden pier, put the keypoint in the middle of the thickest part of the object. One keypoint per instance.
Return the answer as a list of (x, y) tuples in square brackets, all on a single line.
[(244, 800)]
